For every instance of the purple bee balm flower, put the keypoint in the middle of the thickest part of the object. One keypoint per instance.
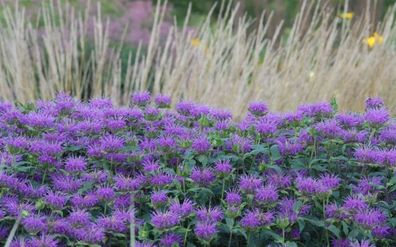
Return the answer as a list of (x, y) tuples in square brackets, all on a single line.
[(159, 198), (316, 110), (266, 128), (35, 223), (141, 98), (355, 203), (75, 164), (203, 176), (258, 108), (370, 218), (329, 181), (308, 185), (267, 194), (254, 219), (111, 143), (113, 224), (201, 145), (363, 243), (205, 230), (381, 232), (374, 103), (126, 183), (55, 199), (214, 214), (349, 120), (43, 241), (182, 209), (279, 180), (185, 108), (331, 210), (171, 240), (249, 184), (367, 185), (161, 179), (164, 220), (221, 115), (233, 198), (162, 101), (286, 209), (105, 193), (150, 165), (79, 218), (166, 142), (66, 183), (388, 135), (340, 243), (4, 231), (223, 167), (377, 116)]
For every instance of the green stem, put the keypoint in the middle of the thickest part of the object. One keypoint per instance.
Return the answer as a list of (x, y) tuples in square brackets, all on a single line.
[(230, 238), (222, 190), (132, 223), (13, 231)]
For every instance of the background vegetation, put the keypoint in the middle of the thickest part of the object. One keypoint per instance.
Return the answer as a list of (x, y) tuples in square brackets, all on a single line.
[(323, 50)]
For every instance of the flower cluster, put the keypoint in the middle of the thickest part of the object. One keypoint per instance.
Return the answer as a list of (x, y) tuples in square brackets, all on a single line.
[(90, 174)]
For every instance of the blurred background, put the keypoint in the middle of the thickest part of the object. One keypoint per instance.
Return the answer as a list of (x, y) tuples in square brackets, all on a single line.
[(296, 52)]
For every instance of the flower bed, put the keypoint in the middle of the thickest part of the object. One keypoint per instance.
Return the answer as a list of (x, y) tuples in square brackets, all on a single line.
[(75, 174)]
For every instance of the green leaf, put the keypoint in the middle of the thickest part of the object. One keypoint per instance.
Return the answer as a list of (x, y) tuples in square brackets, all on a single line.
[(334, 230), (203, 159), (275, 154)]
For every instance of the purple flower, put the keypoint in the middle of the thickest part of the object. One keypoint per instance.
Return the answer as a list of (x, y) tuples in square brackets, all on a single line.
[(201, 145), (56, 200), (214, 214), (171, 240), (254, 219), (182, 209), (249, 184), (205, 230), (141, 98), (161, 179), (377, 116), (159, 198), (266, 128), (223, 167), (164, 220), (35, 223), (370, 218), (316, 110), (374, 103), (233, 198), (258, 108), (75, 164), (267, 194), (79, 218), (105, 193), (363, 243), (329, 181), (43, 241), (203, 176), (113, 223), (355, 203), (162, 101), (340, 243)]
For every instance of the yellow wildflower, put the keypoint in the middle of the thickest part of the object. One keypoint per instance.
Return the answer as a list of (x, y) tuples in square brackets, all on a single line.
[(373, 40), (378, 38), (346, 15), (195, 42)]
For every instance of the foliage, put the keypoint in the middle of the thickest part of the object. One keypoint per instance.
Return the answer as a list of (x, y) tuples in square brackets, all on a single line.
[(86, 173)]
